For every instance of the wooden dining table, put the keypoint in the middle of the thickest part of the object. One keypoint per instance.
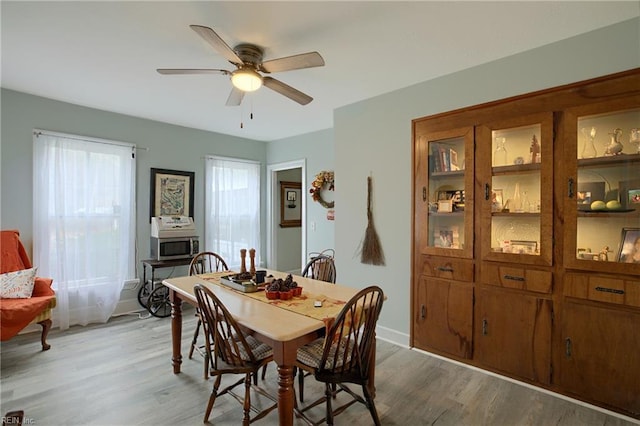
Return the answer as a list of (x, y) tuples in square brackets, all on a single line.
[(283, 329)]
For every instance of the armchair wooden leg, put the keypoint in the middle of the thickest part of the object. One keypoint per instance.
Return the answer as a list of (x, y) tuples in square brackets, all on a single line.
[(46, 326)]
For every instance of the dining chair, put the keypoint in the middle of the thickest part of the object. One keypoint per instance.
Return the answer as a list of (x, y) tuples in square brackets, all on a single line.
[(203, 263), (232, 352), (345, 354), (321, 267)]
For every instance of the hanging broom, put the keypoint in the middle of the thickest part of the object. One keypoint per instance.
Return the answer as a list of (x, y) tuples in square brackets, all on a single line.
[(371, 248)]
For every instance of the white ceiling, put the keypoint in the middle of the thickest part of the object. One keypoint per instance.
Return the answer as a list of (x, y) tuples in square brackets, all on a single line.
[(104, 54)]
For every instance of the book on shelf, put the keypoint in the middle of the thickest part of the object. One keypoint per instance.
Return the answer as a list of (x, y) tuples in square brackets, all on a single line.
[(443, 159), (453, 160)]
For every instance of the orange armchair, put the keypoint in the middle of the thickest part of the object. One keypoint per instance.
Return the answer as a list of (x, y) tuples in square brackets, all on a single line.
[(16, 314)]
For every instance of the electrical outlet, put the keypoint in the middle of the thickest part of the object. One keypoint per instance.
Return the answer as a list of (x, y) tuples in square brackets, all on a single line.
[(313, 225)]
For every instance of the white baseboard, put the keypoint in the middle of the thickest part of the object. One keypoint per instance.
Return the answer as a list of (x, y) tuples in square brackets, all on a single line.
[(392, 336)]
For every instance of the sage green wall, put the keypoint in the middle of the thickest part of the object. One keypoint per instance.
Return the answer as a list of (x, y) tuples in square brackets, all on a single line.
[(169, 147), (374, 137), (317, 148)]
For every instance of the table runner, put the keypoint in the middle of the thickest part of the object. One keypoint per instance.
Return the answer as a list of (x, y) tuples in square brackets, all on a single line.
[(303, 304)]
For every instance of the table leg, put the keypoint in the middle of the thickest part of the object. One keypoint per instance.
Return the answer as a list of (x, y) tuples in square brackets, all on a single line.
[(284, 355), (176, 330)]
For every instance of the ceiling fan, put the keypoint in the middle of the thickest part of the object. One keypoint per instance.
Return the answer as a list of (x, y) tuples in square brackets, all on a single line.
[(247, 76)]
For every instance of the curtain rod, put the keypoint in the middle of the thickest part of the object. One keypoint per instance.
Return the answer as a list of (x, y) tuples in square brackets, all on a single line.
[(38, 132), (239, 160)]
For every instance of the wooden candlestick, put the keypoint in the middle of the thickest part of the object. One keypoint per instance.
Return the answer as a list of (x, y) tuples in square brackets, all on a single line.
[(252, 258), (243, 257)]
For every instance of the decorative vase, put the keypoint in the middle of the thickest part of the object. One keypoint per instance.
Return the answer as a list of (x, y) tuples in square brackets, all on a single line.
[(615, 146), (517, 199), (500, 154), (589, 146)]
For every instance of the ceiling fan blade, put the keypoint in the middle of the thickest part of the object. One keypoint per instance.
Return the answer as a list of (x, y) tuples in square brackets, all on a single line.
[(168, 71), (286, 90), (217, 43), (235, 97), (295, 62)]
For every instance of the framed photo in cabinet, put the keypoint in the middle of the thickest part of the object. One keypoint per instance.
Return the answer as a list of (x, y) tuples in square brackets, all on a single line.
[(629, 246), (630, 194), (523, 247), (447, 237), (589, 192)]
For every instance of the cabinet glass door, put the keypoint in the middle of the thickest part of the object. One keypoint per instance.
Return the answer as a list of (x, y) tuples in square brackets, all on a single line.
[(444, 193), (515, 165), (603, 191)]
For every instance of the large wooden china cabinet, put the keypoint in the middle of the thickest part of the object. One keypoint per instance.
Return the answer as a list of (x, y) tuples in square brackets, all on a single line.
[(525, 229)]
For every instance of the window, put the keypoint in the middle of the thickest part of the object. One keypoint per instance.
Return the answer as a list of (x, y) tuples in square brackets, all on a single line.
[(232, 208), (84, 222)]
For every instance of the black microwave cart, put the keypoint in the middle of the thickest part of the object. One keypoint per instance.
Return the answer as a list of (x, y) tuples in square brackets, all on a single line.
[(152, 294)]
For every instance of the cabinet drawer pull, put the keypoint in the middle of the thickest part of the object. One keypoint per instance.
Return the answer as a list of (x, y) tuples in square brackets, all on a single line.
[(423, 312), (485, 327), (445, 269), (567, 347), (609, 290), (513, 278), (486, 191), (424, 194)]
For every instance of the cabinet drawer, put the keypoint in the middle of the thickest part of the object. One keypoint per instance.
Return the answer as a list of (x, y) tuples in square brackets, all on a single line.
[(518, 278), (602, 288), (444, 267)]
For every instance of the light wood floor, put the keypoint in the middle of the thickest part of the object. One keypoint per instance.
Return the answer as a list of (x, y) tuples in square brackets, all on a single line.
[(120, 374)]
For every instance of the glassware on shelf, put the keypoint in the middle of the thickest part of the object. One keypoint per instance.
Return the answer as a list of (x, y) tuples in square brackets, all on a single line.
[(517, 200), (634, 139), (526, 204), (615, 147), (500, 154), (589, 146)]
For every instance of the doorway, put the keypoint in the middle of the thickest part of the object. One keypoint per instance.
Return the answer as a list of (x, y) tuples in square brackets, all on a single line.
[(286, 246)]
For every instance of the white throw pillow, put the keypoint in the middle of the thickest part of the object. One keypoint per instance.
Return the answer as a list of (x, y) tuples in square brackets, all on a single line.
[(18, 284)]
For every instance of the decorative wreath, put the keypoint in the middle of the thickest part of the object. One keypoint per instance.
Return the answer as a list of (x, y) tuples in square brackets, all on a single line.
[(323, 180)]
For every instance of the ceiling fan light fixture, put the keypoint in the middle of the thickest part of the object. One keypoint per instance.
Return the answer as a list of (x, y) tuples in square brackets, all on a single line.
[(246, 80)]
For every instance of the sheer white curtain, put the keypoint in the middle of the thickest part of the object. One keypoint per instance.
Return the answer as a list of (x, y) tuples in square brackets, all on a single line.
[(232, 208), (84, 223)]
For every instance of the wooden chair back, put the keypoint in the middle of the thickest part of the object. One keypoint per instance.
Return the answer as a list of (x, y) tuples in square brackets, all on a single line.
[(221, 329), (350, 341), (206, 262), (321, 267)]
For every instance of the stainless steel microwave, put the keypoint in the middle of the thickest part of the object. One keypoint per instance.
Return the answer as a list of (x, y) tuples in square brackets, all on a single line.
[(174, 248)]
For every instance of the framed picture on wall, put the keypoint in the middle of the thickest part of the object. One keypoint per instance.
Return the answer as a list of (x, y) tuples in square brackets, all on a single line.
[(290, 208), (171, 193)]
